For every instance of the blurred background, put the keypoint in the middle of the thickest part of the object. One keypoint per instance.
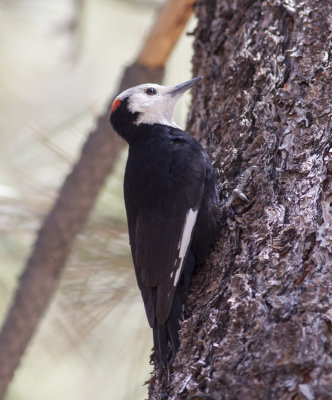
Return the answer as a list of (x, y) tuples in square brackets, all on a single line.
[(61, 62)]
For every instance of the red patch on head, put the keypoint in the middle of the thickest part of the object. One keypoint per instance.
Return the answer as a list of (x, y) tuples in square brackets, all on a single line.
[(116, 104)]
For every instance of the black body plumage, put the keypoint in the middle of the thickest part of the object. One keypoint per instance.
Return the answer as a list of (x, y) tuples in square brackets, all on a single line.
[(171, 198)]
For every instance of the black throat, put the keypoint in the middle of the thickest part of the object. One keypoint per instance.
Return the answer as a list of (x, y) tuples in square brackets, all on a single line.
[(123, 121)]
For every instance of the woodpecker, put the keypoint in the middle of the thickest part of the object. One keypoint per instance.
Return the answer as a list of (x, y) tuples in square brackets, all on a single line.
[(171, 198)]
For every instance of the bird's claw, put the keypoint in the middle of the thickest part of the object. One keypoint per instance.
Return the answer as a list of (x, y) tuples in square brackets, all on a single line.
[(238, 191)]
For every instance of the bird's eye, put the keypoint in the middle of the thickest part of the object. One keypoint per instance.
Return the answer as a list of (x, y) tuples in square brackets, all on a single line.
[(151, 91)]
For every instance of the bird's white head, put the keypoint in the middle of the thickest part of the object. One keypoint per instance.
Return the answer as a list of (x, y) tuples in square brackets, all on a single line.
[(152, 103)]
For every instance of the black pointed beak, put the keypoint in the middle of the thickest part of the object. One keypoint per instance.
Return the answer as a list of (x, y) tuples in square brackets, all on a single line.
[(182, 87)]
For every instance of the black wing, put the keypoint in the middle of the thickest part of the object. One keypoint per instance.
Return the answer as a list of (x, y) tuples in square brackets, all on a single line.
[(162, 206)]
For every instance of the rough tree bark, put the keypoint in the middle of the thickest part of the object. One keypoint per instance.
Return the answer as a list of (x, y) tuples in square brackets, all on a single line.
[(258, 317)]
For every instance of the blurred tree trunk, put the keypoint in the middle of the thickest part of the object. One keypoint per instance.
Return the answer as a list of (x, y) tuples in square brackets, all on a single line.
[(258, 318), (77, 196)]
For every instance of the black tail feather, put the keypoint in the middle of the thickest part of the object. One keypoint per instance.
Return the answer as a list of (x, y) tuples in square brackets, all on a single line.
[(161, 343), (166, 336)]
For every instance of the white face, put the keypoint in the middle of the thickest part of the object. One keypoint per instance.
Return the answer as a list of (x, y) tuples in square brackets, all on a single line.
[(155, 103)]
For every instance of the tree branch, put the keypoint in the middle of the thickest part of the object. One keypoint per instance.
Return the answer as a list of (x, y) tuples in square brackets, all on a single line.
[(75, 200)]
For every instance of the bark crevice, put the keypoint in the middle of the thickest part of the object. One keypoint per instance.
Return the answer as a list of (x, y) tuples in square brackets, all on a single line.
[(258, 315)]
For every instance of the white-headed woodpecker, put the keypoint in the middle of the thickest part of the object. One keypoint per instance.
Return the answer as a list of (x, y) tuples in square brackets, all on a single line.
[(171, 198)]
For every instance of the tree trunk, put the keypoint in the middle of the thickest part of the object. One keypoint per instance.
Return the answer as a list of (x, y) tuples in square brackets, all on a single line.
[(258, 319)]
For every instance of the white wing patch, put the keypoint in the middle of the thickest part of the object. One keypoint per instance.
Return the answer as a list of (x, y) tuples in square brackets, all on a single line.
[(185, 240)]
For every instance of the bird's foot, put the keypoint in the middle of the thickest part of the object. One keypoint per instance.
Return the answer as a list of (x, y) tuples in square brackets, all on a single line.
[(238, 193)]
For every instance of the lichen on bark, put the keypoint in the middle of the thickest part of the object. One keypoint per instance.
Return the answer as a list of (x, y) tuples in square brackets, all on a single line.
[(258, 318)]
